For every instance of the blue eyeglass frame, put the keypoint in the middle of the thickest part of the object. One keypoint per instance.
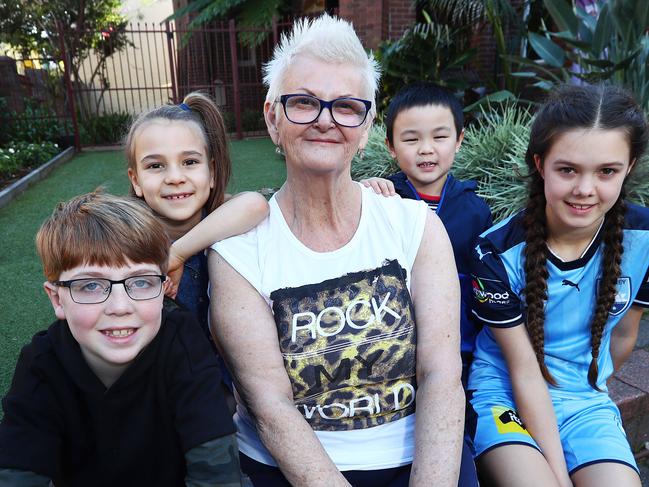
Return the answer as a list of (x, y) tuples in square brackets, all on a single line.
[(325, 104), (69, 283)]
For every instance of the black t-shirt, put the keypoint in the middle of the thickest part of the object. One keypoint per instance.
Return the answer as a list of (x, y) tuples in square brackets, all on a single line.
[(60, 420)]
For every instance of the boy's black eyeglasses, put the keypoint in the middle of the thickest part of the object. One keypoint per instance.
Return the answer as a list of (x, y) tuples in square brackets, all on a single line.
[(304, 109), (93, 290)]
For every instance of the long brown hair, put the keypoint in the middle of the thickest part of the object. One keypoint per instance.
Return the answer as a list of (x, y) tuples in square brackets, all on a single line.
[(200, 110), (572, 107)]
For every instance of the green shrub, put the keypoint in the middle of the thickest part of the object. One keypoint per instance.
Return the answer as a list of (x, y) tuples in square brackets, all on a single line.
[(35, 124), (228, 121), (107, 129), (22, 155), (493, 154), (253, 121), (376, 160), (444, 48)]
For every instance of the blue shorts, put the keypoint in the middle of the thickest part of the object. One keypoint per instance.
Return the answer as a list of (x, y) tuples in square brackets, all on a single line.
[(590, 428)]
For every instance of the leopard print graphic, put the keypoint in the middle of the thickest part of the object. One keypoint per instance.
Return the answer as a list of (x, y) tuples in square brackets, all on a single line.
[(349, 348)]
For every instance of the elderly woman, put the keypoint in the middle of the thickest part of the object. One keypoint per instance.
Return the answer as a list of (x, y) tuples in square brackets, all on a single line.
[(342, 303)]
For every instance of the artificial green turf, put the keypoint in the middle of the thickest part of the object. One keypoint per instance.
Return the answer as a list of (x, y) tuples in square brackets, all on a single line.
[(24, 307)]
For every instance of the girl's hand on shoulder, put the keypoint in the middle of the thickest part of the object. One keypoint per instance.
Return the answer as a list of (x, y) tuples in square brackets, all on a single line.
[(380, 186), (174, 273), (253, 203)]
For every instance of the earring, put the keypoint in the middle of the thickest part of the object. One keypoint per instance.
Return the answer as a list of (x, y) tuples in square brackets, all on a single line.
[(361, 153), (279, 151)]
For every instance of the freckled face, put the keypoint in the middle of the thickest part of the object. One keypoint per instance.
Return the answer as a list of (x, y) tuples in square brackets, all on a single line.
[(111, 334), (172, 171), (424, 143), (583, 174)]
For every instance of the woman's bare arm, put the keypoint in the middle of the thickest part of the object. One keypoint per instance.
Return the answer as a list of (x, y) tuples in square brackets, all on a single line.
[(243, 327), (440, 397)]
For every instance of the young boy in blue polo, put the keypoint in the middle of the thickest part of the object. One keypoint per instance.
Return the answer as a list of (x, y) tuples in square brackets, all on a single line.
[(116, 392), (424, 131)]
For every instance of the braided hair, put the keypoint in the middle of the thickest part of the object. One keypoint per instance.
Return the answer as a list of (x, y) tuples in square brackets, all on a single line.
[(604, 107)]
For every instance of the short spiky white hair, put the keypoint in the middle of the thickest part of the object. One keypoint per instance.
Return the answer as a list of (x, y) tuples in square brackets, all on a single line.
[(329, 39)]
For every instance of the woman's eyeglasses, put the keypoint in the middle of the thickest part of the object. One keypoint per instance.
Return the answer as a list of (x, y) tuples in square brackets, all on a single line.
[(305, 109)]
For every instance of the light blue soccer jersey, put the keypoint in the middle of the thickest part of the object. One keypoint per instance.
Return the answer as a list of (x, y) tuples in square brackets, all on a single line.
[(498, 301)]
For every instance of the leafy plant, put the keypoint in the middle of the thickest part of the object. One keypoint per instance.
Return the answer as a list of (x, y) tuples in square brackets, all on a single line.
[(442, 47), (21, 155), (253, 121), (83, 27), (376, 160), (104, 129), (612, 46), (228, 121), (254, 17), (499, 14), (36, 123), (493, 154)]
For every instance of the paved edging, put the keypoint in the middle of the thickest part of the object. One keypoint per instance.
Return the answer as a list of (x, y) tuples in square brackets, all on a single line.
[(12, 191), (629, 388)]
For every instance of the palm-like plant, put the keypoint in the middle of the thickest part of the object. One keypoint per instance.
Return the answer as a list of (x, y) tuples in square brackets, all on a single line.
[(445, 50), (499, 14), (255, 17), (613, 46)]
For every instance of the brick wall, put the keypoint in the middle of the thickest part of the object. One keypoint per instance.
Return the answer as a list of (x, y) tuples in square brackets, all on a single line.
[(377, 20), (367, 17), (401, 15)]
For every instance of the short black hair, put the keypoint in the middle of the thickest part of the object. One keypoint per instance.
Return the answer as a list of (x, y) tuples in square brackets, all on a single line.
[(422, 94)]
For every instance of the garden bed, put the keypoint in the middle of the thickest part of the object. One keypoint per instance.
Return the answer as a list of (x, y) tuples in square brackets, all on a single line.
[(20, 179), (18, 158)]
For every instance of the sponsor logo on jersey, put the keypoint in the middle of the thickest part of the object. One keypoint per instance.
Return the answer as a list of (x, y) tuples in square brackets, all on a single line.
[(622, 296), (507, 421), (567, 282), (483, 295), (480, 253)]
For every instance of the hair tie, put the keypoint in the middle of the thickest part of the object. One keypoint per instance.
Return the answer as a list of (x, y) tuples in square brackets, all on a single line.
[(185, 107)]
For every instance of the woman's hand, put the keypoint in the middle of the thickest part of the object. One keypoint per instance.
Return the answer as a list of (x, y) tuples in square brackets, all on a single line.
[(380, 186)]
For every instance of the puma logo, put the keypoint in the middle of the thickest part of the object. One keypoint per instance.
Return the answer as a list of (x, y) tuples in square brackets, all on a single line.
[(566, 282), (480, 254)]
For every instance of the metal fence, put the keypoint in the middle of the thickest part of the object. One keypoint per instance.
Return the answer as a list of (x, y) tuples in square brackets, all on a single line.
[(157, 64), (161, 64)]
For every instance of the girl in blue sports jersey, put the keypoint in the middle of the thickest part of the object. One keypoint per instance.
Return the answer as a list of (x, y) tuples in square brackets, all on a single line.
[(559, 289)]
